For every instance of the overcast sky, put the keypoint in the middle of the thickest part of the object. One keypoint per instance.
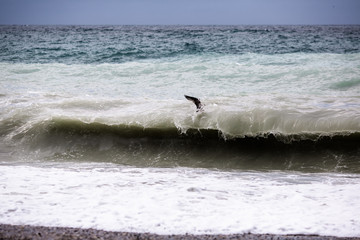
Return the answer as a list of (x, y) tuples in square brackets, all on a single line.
[(193, 12)]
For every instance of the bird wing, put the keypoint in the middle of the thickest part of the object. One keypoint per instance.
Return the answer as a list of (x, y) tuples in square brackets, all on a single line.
[(195, 100)]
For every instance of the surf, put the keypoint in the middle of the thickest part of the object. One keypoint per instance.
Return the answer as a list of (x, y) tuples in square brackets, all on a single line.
[(64, 139)]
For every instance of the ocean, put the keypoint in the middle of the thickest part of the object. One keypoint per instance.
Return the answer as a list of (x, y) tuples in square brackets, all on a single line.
[(95, 131)]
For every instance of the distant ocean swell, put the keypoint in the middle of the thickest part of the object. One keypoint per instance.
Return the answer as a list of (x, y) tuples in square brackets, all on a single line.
[(117, 44)]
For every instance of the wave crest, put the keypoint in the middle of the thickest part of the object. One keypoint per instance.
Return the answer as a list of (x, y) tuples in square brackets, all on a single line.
[(63, 128)]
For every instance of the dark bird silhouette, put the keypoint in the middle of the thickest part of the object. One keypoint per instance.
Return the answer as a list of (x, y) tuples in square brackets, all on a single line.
[(196, 101)]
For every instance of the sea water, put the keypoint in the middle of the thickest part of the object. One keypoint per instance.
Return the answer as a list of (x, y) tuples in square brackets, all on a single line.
[(95, 131)]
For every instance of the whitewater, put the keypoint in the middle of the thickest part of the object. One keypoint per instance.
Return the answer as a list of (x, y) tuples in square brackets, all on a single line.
[(95, 131)]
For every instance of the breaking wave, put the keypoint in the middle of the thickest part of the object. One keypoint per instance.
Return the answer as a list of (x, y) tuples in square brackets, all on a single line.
[(66, 139)]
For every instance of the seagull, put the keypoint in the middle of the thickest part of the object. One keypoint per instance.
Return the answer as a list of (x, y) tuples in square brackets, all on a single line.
[(196, 101)]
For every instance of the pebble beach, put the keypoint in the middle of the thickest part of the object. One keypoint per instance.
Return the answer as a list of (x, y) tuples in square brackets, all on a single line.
[(12, 232)]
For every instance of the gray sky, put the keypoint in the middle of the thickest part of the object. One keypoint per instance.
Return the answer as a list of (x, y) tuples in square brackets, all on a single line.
[(95, 12)]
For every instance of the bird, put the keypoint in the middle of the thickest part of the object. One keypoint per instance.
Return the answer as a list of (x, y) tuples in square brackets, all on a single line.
[(196, 101)]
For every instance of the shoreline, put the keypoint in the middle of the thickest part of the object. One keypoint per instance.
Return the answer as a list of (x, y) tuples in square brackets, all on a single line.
[(24, 232)]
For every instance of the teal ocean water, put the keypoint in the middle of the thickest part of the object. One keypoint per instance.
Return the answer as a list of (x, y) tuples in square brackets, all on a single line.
[(98, 113)]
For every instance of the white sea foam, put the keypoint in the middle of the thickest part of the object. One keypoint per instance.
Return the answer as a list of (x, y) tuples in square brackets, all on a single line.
[(202, 75), (180, 200)]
